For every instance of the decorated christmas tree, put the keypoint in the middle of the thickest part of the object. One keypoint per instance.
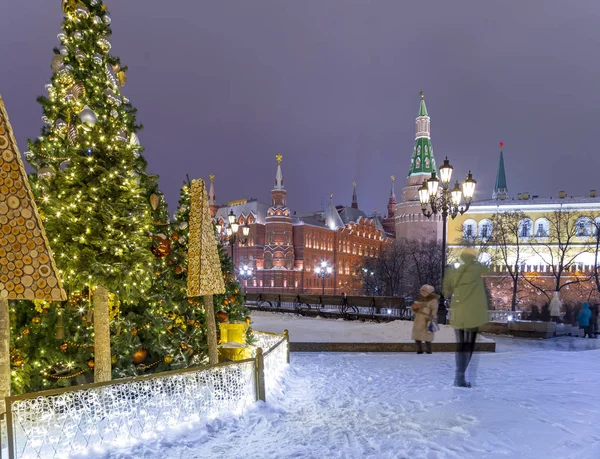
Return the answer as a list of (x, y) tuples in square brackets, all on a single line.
[(173, 332), (91, 187)]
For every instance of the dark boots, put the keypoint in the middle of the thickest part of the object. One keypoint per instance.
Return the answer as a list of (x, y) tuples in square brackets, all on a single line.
[(420, 347)]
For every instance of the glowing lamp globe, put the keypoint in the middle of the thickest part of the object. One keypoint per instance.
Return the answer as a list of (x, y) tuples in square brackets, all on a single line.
[(231, 217), (456, 194), (432, 184), (424, 194), (446, 172), (469, 187)]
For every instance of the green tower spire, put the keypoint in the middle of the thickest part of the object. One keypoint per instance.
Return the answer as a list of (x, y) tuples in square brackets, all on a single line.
[(501, 189), (423, 107), (422, 161)]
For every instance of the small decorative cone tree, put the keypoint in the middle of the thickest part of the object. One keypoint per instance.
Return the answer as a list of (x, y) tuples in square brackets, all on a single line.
[(23, 243), (205, 278)]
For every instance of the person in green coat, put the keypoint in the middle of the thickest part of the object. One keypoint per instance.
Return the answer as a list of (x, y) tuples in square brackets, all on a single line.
[(468, 308)]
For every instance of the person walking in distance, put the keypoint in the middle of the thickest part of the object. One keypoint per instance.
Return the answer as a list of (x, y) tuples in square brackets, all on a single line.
[(425, 311), (584, 317), (555, 308), (468, 308)]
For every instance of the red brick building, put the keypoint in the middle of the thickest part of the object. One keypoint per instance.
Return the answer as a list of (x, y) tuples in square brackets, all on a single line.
[(283, 249)]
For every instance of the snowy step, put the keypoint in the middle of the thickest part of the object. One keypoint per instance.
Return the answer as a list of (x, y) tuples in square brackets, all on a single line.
[(487, 346)]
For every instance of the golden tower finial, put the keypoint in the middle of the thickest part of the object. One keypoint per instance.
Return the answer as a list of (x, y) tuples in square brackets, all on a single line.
[(422, 95), (279, 158), (354, 184), (212, 177), (331, 196), (393, 178)]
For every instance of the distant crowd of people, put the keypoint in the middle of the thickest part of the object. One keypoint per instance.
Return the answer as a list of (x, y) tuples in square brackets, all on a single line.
[(587, 317)]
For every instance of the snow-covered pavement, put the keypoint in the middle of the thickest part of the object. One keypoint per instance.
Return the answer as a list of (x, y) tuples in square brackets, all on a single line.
[(532, 399), (320, 330)]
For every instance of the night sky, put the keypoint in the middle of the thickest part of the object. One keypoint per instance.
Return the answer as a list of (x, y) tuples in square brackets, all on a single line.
[(222, 86)]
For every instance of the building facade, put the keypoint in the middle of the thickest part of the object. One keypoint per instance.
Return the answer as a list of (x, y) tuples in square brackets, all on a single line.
[(547, 225), (283, 249)]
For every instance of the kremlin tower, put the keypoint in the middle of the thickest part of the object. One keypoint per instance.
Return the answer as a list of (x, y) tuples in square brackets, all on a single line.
[(279, 247), (410, 221)]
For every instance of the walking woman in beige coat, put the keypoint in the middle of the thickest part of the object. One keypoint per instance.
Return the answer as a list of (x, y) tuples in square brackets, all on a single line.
[(425, 309)]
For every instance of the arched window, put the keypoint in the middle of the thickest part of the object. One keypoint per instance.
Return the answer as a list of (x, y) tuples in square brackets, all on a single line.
[(470, 229), (541, 228), (485, 229), (584, 227), (525, 227), (596, 227)]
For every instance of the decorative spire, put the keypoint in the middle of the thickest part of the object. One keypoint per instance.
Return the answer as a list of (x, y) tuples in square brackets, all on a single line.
[(279, 176), (422, 161), (500, 189), (331, 215), (212, 199), (422, 107), (391, 207), (354, 197)]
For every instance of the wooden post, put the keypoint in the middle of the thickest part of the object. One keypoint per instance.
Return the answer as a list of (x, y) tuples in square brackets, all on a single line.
[(286, 334), (260, 375), (4, 352), (102, 359), (211, 330)]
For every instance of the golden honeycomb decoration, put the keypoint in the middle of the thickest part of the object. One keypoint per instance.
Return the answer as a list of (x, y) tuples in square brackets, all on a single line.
[(27, 269), (204, 266)]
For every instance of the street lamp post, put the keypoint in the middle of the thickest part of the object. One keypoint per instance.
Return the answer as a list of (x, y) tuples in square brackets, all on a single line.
[(246, 274), (232, 233), (437, 198), (323, 271)]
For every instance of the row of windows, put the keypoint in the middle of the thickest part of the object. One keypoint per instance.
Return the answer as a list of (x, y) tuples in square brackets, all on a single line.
[(584, 227)]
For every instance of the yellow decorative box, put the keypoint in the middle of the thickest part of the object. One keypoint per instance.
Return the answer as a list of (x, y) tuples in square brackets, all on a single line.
[(234, 351), (233, 333)]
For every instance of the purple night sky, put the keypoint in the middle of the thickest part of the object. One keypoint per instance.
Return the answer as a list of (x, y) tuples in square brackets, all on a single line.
[(222, 86)]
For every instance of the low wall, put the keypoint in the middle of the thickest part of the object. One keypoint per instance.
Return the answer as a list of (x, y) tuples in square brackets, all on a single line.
[(530, 329), (383, 347)]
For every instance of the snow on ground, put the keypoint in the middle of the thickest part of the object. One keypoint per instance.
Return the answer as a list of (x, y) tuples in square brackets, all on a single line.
[(531, 399), (320, 330)]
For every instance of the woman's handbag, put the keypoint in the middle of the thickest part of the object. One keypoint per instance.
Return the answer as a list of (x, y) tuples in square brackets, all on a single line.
[(433, 326)]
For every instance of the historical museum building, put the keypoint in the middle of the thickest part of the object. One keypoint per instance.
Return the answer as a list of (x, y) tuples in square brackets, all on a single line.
[(546, 225), (283, 249)]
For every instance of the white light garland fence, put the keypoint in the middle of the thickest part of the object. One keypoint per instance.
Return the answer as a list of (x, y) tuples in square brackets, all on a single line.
[(74, 420)]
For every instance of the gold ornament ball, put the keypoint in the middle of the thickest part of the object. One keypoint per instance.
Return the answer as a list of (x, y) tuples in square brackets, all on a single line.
[(46, 173), (223, 316), (168, 359), (17, 361), (140, 356), (63, 347), (91, 363), (36, 320), (26, 331)]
